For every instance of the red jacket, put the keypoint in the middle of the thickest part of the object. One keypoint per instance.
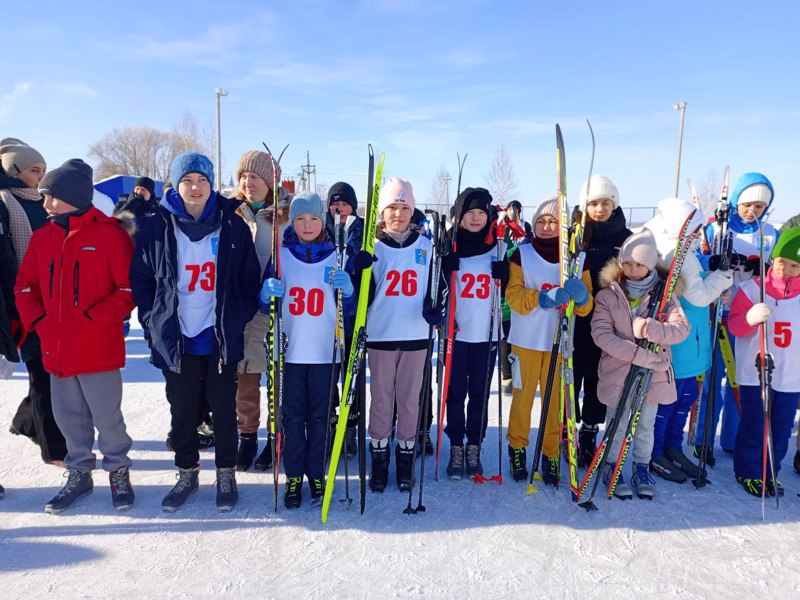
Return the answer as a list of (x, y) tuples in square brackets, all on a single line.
[(73, 290)]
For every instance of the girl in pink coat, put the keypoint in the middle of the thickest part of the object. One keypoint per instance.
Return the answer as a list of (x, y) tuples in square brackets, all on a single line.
[(619, 321)]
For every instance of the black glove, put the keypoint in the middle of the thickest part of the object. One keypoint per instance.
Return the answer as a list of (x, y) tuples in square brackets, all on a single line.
[(752, 265), (434, 315), (362, 260), (451, 262), (736, 261), (500, 270)]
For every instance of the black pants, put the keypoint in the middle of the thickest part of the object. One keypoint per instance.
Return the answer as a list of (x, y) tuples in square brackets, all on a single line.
[(304, 412), (468, 377), (505, 350), (586, 361), (200, 383), (34, 417)]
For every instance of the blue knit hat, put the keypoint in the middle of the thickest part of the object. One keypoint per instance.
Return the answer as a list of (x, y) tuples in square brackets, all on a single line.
[(190, 162), (71, 182), (306, 203)]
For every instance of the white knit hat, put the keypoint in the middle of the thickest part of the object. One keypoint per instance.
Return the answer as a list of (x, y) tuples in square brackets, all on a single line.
[(755, 193), (601, 188), (548, 206)]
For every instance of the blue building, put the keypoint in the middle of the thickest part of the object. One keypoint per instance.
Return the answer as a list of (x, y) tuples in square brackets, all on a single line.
[(121, 186)]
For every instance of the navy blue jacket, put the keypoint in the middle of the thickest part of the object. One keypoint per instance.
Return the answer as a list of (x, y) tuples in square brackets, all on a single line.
[(154, 280)]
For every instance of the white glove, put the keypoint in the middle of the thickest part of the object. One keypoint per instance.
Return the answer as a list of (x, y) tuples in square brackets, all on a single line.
[(757, 314)]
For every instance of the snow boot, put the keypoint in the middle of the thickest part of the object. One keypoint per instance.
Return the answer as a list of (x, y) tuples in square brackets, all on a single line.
[(643, 482), (587, 444), (710, 460), (682, 462), (753, 487), (187, 484), (379, 475), (623, 490), (293, 492), (455, 468), (227, 492), (350, 446), (122, 495), (518, 462), (796, 462), (317, 488), (404, 454), (474, 466), (79, 484), (666, 469), (248, 448), (551, 471), (264, 460)]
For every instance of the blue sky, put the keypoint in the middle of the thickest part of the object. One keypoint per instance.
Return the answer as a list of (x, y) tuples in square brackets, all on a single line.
[(423, 81)]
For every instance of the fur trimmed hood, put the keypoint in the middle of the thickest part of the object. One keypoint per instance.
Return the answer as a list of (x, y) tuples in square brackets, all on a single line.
[(612, 273)]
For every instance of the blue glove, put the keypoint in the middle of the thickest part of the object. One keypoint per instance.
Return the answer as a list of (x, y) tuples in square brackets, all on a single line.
[(553, 297), (577, 291), (271, 288), (341, 281)]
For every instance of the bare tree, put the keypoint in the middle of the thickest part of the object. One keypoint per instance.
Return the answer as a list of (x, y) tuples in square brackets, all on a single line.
[(438, 196), (708, 193), (500, 179), (322, 190)]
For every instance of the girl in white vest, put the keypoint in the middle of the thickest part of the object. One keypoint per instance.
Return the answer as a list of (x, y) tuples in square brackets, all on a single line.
[(780, 314), (308, 284), (534, 295), (397, 332), (474, 352)]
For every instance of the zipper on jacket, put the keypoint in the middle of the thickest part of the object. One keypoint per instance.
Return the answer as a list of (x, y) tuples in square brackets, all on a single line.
[(76, 281), (51, 270)]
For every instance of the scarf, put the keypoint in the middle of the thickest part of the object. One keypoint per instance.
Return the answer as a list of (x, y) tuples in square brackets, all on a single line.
[(21, 231), (209, 222), (637, 289), (63, 219), (475, 243), (547, 248)]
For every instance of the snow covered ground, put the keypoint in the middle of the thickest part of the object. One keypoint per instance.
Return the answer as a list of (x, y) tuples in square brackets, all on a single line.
[(473, 542)]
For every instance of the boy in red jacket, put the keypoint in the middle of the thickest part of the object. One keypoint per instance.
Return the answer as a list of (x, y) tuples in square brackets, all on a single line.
[(73, 290)]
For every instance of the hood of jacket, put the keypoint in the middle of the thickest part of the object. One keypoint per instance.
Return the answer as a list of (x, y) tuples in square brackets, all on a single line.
[(735, 222)]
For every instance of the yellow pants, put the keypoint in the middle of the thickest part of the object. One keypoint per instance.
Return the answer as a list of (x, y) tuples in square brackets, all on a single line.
[(533, 365)]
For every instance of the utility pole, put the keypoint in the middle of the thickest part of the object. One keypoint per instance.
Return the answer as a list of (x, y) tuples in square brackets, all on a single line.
[(306, 171), (681, 106), (219, 92)]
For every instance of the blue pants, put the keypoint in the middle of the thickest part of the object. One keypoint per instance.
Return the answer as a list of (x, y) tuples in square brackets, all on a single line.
[(724, 397), (306, 397), (747, 457), (468, 377), (671, 418)]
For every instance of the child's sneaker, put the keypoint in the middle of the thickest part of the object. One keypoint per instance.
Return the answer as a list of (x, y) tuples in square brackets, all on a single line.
[(187, 484), (664, 468), (227, 492), (293, 492), (122, 495), (518, 462), (622, 489), (474, 466), (79, 484), (643, 482), (551, 474), (455, 468)]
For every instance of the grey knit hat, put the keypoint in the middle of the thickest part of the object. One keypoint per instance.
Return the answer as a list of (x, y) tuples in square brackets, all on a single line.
[(306, 203), (16, 156)]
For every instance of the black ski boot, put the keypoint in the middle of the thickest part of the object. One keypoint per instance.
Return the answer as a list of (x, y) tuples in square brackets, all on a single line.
[(754, 487), (122, 495), (317, 488), (796, 462), (587, 444), (264, 460), (187, 484), (405, 466), (248, 448), (379, 476), (293, 492), (518, 461), (351, 447), (474, 466), (455, 468), (710, 460), (681, 461), (550, 471), (227, 492), (664, 468), (79, 484)]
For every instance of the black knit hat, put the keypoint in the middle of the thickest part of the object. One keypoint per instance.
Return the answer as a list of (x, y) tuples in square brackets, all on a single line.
[(473, 198), (343, 192), (71, 182), (147, 184)]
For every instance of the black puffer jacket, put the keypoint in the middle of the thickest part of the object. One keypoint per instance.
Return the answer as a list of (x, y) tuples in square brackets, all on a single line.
[(603, 242)]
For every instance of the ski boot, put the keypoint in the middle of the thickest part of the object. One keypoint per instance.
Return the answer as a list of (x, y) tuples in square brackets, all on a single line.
[(264, 460), (455, 468), (248, 448), (642, 482), (474, 466), (122, 495), (379, 475), (623, 490), (518, 462), (79, 484), (227, 492), (587, 444), (187, 484), (666, 469), (550, 471), (293, 492), (774, 487), (351, 448), (710, 460), (317, 488), (796, 462), (754, 487), (682, 462), (404, 454)]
